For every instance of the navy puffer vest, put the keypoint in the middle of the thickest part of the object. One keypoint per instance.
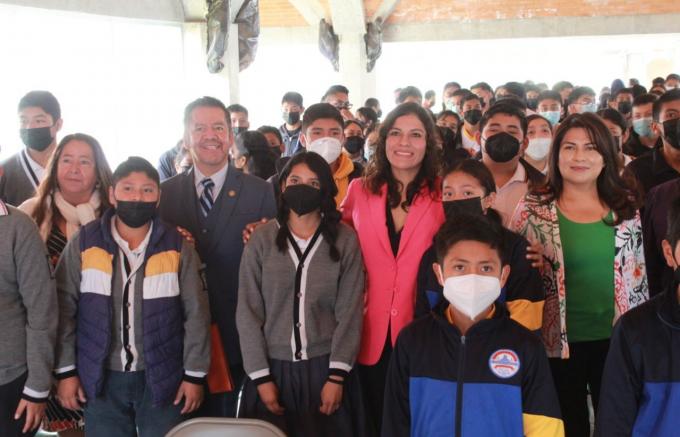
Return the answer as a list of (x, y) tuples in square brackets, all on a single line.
[(162, 313)]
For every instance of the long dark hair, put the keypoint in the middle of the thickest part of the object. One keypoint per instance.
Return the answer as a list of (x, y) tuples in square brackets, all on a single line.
[(379, 170), (482, 174), (330, 217), (49, 185), (618, 192)]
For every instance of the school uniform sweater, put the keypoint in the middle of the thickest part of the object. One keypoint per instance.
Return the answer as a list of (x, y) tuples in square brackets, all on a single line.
[(28, 305), (15, 185), (292, 309)]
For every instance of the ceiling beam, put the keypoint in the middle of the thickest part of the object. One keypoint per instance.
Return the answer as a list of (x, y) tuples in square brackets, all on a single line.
[(385, 10), (194, 10), (311, 10)]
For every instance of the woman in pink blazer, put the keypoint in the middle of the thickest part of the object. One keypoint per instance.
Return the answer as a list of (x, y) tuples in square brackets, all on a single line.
[(396, 210)]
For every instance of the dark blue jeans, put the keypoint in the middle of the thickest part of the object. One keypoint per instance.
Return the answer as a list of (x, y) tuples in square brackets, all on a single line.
[(124, 409)]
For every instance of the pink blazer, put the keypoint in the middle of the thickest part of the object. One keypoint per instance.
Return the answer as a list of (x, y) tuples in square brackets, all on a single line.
[(390, 282)]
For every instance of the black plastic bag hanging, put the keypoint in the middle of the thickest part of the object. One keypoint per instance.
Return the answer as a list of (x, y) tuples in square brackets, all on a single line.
[(218, 31), (248, 20), (373, 39), (329, 43)]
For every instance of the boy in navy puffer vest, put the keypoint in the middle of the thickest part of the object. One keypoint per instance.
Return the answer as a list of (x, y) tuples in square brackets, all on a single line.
[(134, 321)]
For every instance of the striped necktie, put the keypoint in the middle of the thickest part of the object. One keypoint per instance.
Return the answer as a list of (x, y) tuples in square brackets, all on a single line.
[(206, 199)]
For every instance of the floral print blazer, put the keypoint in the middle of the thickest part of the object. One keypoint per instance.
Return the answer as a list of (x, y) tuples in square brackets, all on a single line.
[(537, 220)]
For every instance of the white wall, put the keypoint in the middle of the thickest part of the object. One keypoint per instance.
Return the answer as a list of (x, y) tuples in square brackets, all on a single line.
[(119, 80)]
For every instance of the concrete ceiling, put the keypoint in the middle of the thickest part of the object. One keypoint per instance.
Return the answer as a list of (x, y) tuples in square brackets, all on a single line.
[(414, 20)]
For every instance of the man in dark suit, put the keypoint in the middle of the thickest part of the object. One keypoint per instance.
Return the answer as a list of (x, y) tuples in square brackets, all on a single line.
[(214, 201)]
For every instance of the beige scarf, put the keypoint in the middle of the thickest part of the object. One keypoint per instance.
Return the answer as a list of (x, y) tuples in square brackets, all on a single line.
[(75, 216)]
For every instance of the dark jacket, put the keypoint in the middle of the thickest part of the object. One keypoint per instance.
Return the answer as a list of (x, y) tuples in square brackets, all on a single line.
[(651, 169), (244, 199), (641, 380), (523, 293), (634, 147), (654, 227), (494, 381)]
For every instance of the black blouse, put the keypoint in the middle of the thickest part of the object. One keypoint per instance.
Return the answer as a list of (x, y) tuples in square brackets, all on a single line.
[(395, 237)]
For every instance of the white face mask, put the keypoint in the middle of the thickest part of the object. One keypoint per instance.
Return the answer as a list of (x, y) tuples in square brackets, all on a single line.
[(539, 148), (472, 294), (329, 148)]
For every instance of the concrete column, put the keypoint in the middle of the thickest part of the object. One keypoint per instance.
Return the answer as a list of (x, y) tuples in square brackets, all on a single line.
[(349, 23), (223, 85), (361, 84)]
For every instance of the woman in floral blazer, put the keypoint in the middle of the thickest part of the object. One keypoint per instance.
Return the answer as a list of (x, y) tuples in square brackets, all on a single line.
[(586, 219)]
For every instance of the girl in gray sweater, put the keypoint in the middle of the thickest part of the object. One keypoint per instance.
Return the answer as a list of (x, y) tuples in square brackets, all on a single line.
[(299, 310)]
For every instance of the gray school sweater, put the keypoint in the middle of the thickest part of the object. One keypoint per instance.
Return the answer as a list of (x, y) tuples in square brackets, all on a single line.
[(28, 305), (323, 315), (15, 187)]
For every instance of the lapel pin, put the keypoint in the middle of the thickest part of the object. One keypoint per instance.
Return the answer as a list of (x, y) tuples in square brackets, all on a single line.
[(232, 193)]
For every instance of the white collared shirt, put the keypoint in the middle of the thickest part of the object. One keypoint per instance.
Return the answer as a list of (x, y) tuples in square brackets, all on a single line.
[(218, 179), (135, 258), (509, 195)]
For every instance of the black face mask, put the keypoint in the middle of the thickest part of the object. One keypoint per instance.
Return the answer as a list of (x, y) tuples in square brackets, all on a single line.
[(448, 137), (670, 132), (291, 117), (473, 116), (302, 198), (379, 113), (354, 144), (135, 214), (502, 147), (455, 208), (37, 138), (238, 130), (625, 107), (532, 104)]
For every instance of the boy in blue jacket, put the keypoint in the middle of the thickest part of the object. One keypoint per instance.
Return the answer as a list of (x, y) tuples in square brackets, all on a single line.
[(467, 368), (641, 381)]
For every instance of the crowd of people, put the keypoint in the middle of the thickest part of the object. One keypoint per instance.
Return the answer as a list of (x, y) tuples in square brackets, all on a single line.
[(504, 265)]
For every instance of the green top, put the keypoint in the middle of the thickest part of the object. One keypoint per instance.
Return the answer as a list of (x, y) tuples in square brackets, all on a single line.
[(588, 250)]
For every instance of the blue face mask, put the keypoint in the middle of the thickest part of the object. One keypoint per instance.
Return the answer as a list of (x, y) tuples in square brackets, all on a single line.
[(451, 106), (587, 107), (552, 116), (643, 127)]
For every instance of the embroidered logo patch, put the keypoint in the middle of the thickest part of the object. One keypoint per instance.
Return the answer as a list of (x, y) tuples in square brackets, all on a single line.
[(504, 363)]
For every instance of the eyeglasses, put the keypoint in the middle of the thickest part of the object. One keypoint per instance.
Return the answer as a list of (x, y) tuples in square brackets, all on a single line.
[(343, 105)]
